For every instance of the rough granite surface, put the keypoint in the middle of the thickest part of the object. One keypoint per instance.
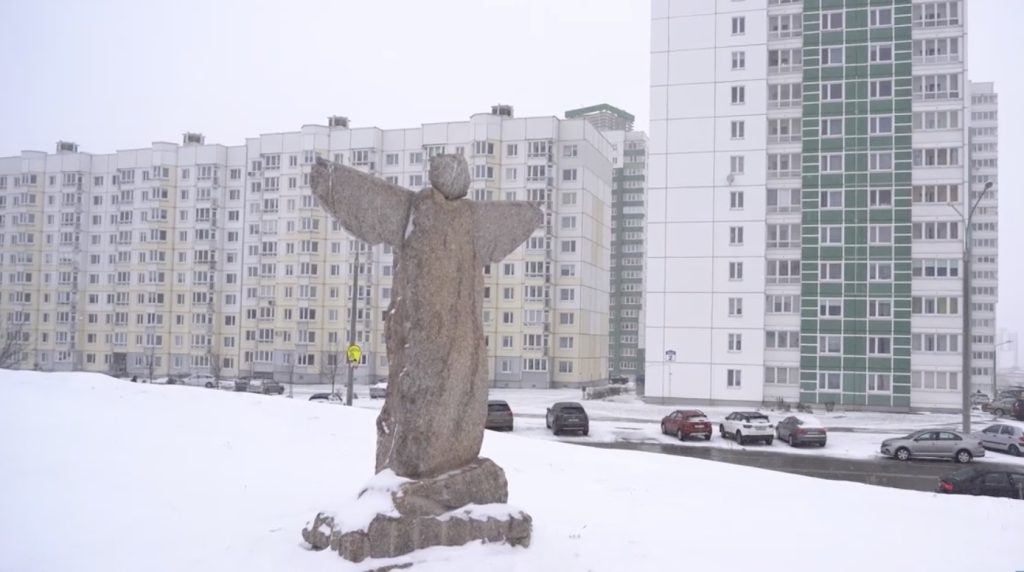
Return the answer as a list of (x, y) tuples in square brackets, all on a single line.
[(433, 418)]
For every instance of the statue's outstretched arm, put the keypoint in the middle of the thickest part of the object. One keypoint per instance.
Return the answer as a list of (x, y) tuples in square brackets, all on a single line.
[(501, 227), (371, 209)]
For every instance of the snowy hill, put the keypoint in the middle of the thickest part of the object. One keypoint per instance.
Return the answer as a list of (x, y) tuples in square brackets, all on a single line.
[(103, 475)]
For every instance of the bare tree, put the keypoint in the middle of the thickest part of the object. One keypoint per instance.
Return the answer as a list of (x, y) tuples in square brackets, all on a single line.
[(330, 365), (215, 363), (13, 341)]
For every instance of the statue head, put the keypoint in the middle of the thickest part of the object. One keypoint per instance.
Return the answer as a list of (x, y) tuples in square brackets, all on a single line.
[(449, 174)]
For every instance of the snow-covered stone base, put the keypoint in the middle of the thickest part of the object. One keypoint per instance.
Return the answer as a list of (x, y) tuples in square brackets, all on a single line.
[(394, 516)]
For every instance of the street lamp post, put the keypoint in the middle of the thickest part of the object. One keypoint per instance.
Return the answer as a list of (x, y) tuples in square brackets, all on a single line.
[(670, 356), (995, 365), (966, 310)]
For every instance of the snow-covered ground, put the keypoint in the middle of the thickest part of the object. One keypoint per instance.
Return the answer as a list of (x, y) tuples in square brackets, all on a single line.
[(103, 475)]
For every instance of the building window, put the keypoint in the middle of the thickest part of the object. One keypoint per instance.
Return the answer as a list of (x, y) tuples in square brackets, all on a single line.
[(880, 125), (880, 89), (735, 307), (832, 91), (880, 234), (781, 375), (736, 164), (831, 199), (832, 163), (782, 271), (739, 26), (878, 17), (831, 56), (879, 345), (781, 340), (736, 236), (878, 198), (831, 21), (880, 161), (735, 271), (739, 60), (829, 381), (739, 94), (736, 200), (936, 380), (832, 127), (880, 53), (733, 378), (830, 308), (830, 271), (735, 342), (831, 234), (880, 308), (737, 130)]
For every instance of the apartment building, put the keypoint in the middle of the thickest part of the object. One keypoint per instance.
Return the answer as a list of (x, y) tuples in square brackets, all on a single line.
[(197, 258), (809, 162), (984, 169), (626, 315)]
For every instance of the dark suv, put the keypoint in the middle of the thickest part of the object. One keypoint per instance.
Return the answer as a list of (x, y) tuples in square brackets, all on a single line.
[(499, 416), (568, 416)]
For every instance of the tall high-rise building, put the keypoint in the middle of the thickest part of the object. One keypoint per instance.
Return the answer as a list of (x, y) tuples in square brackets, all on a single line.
[(984, 170), (626, 315), (200, 258), (808, 173)]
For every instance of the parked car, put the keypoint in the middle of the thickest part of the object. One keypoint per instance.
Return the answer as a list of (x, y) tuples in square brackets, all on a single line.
[(1002, 437), (200, 380), (568, 416), (1011, 392), (499, 416), (379, 390), (233, 384), (333, 398), (685, 423), (745, 426), (979, 398), (984, 481), (801, 430), (265, 386), (1001, 406), (932, 444), (169, 380)]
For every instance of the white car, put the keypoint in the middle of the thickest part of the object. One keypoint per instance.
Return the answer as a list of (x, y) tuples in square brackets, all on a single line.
[(1002, 437), (745, 426), (379, 390), (200, 380)]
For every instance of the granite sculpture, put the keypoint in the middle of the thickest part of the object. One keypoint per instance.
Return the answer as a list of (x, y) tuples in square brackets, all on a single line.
[(431, 427)]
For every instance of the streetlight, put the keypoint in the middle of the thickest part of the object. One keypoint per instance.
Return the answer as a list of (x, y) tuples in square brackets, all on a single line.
[(966, 347), (995, 365), (670, 356)]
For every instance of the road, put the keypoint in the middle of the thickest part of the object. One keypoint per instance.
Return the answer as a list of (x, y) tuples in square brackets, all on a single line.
[(911, 475)]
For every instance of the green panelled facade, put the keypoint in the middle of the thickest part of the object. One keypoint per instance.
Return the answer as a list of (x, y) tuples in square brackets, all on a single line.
[(861, 208), (626, 291)]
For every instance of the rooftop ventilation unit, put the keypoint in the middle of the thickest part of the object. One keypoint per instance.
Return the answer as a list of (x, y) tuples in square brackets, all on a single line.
[(502, 110), (67, 147), (337, 121), (193, 139)]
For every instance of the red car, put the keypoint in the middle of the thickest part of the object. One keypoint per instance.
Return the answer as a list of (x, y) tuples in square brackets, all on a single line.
[(685, 423)]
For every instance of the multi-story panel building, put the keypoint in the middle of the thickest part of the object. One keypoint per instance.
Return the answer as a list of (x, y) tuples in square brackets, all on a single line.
[(626, 317), (198, 258), (807, 176), (984, 170)]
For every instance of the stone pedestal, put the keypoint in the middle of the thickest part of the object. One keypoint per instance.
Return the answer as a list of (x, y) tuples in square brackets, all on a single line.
[(397, 518)]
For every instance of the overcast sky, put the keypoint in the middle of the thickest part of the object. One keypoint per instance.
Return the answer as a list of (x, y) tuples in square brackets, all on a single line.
[(121, 74)]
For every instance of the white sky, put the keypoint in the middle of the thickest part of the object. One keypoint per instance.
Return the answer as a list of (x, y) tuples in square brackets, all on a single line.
[(119, 74)]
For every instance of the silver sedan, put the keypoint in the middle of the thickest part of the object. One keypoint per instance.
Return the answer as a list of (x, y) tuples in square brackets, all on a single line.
[(934, 444)]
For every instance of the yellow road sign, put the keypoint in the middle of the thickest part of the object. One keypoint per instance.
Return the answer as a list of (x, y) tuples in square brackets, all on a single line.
[(354, 353)]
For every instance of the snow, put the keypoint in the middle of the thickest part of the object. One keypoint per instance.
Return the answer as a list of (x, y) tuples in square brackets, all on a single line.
[(106, 475)]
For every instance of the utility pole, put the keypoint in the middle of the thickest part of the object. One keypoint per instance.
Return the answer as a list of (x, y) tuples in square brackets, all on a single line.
[(965, 380), (995, 365), (352, 326)]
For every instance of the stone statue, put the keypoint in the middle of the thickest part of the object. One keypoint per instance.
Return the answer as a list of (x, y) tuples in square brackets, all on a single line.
[(431, 426)]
